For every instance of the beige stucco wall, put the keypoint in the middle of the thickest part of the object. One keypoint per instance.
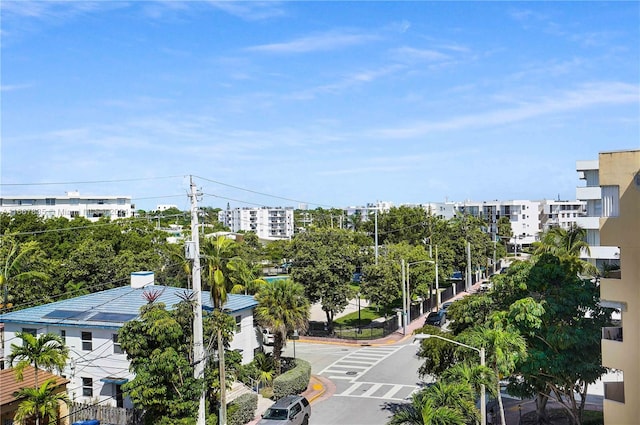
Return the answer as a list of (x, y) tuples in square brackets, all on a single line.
[(620, 168)]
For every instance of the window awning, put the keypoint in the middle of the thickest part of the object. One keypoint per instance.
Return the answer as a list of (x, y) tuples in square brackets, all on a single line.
[(114, 380)]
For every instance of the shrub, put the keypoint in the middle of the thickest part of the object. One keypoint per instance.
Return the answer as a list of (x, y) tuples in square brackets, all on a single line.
[(242, 409), (294, 381)]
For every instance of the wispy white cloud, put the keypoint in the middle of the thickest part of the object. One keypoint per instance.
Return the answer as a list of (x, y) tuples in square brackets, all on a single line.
[(14, 87), (321, 42), (348, 81), (585, 96), (411, 54), (250, 10)]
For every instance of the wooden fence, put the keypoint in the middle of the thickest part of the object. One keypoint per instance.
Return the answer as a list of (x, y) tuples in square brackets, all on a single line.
[(107, 415)]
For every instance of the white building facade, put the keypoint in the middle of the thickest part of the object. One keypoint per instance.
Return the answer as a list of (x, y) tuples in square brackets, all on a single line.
[(70, 206), (268, 223), (523, 216), (564, 214)]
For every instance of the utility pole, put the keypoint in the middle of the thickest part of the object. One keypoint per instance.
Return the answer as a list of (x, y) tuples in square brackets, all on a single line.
[(437, 284), (468, 274), (199, 359), (376, 234)]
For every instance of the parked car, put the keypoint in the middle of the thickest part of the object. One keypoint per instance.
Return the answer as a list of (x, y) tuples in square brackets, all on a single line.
[(436, 318), (445, 306), (485, 286), (267, 336), (289, 410)]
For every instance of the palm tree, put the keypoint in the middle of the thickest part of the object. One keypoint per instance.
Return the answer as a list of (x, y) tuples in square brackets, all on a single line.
[(504, 347), (46, 351), (218, 253), (558, 241), (474, 375), (282, 307), (567, 243), (13, 259), (440, 404), (40, 403)]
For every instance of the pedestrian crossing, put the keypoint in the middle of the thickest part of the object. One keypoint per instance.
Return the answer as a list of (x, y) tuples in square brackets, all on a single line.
[(357, 363), (354, 365), (378, 390)]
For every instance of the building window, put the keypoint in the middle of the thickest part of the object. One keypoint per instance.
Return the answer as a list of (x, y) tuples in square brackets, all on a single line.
[(63, 335), (87, 387), (86, 341), (50, 201), (117, 348), (238, 324), (75, 214), (610, 201), (32, 331), (122, 213)]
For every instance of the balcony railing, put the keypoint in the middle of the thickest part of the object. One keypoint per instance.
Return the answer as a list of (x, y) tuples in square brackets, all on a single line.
[(614, 391), (612, 333)]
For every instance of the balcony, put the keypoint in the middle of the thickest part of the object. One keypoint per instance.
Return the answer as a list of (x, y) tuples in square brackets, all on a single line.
[(588, 193), (614, 391), (612, 333), (589, 223)]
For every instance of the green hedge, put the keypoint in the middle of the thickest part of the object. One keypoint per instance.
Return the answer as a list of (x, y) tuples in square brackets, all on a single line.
[(294, 381), (242, 410)]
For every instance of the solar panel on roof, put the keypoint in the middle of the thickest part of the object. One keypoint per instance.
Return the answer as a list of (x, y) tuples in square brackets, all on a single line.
[(112, 317), (63, 314)]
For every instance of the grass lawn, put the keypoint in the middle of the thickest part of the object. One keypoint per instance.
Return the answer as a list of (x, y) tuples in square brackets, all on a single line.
[(367, 314)]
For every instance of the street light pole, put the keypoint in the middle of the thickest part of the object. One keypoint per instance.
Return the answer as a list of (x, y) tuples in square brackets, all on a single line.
[(408, 289), (483, 403), (404, 302)]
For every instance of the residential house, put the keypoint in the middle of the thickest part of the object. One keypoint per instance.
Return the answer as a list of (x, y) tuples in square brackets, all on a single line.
[(9, 385), (89, 325)]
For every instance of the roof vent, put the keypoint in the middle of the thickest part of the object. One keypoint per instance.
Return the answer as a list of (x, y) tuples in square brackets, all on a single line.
[(141, 279)]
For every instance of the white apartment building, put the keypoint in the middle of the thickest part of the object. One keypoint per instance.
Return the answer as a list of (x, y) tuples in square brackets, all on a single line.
[(523, 216), (89, 324), (70, 206), (563, 214), (266, 222)]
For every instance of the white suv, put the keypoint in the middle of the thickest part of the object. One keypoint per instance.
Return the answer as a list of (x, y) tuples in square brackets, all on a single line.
[(289, 410)]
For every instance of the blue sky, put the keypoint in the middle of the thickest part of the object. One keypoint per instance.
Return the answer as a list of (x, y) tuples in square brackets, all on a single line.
[(328, 103)]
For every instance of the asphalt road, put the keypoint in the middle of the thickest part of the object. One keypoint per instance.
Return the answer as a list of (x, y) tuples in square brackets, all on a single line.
[(370, 381)]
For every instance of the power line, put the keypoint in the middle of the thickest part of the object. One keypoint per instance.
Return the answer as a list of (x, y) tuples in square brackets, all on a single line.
[(90, 181), (262, 193)]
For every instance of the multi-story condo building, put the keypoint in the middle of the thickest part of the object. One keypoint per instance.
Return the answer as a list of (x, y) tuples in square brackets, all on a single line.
[(522, 214), (613, 202), (266, 222), (563, 214), (70, 206)]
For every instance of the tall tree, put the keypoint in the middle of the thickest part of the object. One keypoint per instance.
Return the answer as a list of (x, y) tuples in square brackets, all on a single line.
[(504, 348), (323, 261), (159, 347), (41, 403), (564, 343), (283, 308)]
